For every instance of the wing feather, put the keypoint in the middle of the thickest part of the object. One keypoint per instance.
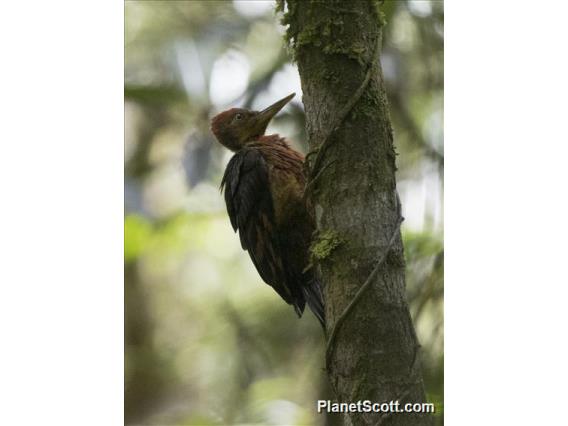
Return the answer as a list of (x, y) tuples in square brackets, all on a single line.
[(251, 210)]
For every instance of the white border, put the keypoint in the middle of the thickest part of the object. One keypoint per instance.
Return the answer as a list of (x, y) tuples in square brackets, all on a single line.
[(61, 214), (506, 212)]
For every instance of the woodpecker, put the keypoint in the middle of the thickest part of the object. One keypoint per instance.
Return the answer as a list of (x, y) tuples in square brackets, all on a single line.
[(263, 186)]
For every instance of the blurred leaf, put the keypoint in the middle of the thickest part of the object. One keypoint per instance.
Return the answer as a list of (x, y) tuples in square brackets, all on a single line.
[(154, 94), (417, 245), (137, 234)]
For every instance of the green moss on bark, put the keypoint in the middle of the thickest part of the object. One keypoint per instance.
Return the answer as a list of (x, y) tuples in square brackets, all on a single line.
[(324, 30), (381, 18), (324, 244)]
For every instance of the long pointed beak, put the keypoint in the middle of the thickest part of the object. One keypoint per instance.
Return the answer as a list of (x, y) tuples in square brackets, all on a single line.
[(264, 116)]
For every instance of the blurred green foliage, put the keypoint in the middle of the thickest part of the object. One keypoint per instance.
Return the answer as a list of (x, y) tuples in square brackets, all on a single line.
[(206, 341)]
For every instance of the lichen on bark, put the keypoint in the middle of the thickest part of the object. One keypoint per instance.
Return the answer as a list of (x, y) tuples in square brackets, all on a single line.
[(324, 244), (324, 30)]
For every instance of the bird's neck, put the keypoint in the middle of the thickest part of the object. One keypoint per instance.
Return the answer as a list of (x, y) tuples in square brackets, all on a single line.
[(268, 141), (275, 147)]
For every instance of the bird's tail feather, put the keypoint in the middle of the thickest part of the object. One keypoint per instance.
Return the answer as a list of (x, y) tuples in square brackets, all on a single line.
[(314, 297)]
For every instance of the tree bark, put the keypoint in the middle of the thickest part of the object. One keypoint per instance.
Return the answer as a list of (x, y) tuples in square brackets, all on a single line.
[(372, 350)]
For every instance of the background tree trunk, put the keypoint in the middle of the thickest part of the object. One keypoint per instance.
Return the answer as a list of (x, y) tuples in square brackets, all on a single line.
[(373, 353)]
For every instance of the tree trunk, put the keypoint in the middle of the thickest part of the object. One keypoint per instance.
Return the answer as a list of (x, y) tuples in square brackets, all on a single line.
[(372, 350)]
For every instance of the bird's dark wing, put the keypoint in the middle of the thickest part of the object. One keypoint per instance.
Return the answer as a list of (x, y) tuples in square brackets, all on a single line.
[(251, 210)]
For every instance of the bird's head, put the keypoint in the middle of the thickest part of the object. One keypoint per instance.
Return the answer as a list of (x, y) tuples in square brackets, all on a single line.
[(236, 127)]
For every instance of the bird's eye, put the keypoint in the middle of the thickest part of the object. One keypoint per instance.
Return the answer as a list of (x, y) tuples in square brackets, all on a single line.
[(239, 116)]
